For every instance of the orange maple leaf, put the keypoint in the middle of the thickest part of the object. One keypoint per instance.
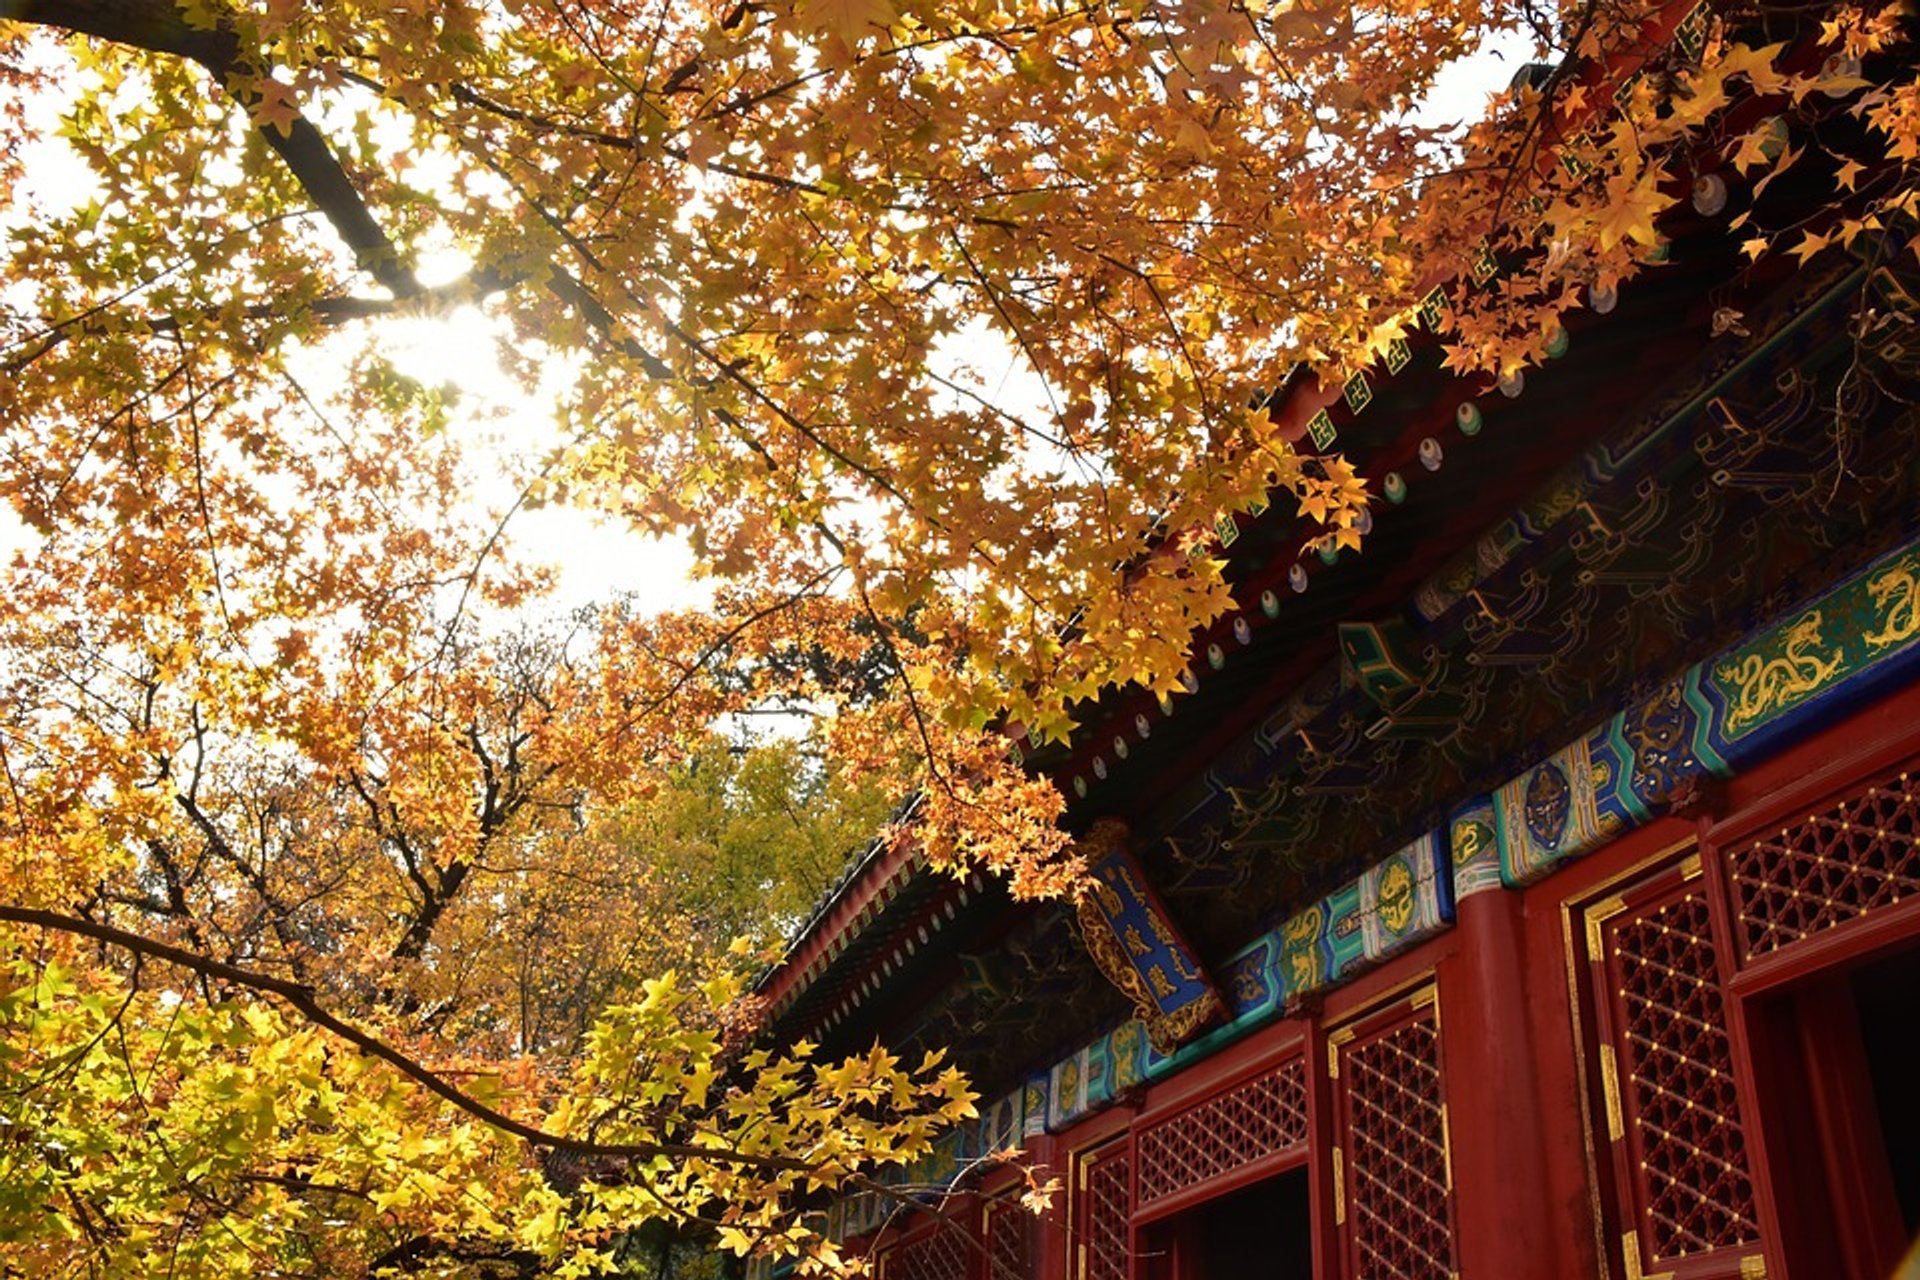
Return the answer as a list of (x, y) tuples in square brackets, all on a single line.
[(276, 108), (851, 20)]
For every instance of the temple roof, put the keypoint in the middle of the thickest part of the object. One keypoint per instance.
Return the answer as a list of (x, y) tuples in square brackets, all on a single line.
[(1642, 501)]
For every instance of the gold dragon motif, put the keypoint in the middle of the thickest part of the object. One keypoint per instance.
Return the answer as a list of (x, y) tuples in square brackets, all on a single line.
[(1896, 592), (1766, 684)]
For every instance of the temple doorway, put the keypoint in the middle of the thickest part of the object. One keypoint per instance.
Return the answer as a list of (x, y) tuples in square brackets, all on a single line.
[(1886, 994), (1842, 1104), (1260, 1232)]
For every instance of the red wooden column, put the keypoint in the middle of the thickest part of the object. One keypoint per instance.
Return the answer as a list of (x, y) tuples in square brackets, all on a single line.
[(1516, 1210), (1052, 1250)]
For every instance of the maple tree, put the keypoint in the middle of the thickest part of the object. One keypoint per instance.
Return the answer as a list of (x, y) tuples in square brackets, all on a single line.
[(343, 933)]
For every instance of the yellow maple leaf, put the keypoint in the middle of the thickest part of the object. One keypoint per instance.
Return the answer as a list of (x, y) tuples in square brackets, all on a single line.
[(1756, 65), (1809, 245), (1753, 148), (1634, 207)]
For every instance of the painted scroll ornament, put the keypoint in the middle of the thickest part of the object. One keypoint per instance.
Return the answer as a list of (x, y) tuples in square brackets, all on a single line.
[(1134, 944)]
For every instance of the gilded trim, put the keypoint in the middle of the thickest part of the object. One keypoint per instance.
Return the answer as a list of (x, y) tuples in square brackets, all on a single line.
[(1596, 915), (1339, 1190), (1610, 1089), (1408, 989), (1630, 1252), (1598, 1217)]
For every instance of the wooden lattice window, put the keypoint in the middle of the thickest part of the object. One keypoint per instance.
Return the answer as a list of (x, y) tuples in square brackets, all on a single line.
[(1009, 1240), (1262, 1119), (1393, 1188), (1103, 1213), (1668, 1095), (938, 1253), (1857, 855)]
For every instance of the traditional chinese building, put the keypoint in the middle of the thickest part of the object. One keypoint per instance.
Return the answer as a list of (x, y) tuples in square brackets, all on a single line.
[(1535, 894)]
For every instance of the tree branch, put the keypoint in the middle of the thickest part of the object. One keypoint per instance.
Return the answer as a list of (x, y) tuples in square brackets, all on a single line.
[(156, 26), (302, 999)]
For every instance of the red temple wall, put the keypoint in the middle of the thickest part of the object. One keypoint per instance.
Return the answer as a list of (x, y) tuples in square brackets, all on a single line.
[(1482, 1038)]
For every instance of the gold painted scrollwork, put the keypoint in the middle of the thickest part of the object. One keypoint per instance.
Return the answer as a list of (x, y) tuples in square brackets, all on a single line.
[(1896, 594), (1763, 685)]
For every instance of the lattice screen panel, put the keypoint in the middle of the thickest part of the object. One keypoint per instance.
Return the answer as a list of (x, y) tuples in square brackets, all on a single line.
[(1008, 1252), (1260, 1118), (1677, 1108), (1860, 854), (1103, 1218), (941, 1254), (1398, 1189)]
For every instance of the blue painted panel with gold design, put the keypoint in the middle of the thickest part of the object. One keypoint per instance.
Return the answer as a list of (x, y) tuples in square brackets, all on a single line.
[(1563, 807), (1081, 1084), (1035, 1098), (1254, 996), (1067, 1092), (1126, 1056), (1344, 942), (1301, 964), (1249, 981), (1475, 848), (1406, 898), (1254, 992), (1659, 747), (1139, 948)]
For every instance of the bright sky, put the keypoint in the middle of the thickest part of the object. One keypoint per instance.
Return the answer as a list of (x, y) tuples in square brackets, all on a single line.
[(507, 428), (597, 559)]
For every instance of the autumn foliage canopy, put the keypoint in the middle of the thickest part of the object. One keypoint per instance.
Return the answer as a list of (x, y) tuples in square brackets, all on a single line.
[(342, 927)]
